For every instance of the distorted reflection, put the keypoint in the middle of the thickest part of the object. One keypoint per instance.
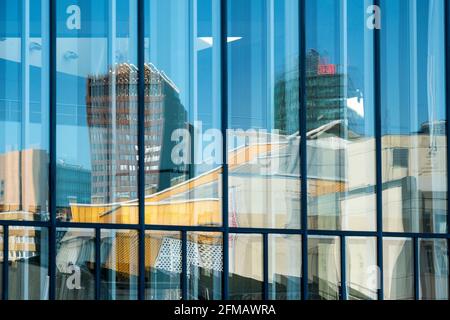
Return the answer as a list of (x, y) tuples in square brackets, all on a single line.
[(361, 267), (263, 113), (97, 112), (433, 266), (324, 272), (414, 142), (24, 112), (245, 267), (75, 264), (162, 265), (205, 266), (285, 265), (28, 263), (398, 265), (183, 114), (340, 116), (97, 154), (164, 269), (119, 265)]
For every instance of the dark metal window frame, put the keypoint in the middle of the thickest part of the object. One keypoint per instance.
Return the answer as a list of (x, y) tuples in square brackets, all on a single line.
[(52, 224)]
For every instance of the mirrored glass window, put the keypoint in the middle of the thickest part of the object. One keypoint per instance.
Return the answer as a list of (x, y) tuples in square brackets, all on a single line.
[(340, 116), (96, 112), (298, 145), (263, 112), (183, 140), (119, 264), (28, 263), (414, 144), (362, 271), (245, 267), (285, 267), (163, 265), (433, 265), (75, 264), (24, 110), (398, 269), (204, 265), (324, 271)]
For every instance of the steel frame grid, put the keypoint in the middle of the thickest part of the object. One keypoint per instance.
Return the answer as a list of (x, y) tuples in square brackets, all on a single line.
[(52, 224), (264, 233)]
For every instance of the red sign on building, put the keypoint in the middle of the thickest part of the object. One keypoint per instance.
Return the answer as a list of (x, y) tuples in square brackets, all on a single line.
[(324, 69)]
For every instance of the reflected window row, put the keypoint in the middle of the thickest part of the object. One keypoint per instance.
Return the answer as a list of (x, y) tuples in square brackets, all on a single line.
[(76, 270)]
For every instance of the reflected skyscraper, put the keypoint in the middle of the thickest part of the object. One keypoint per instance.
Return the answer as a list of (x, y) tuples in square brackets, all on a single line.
[(112, 120), (331, 95)]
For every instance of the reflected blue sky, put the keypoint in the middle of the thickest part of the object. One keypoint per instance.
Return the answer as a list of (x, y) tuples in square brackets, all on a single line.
[(249, 106)]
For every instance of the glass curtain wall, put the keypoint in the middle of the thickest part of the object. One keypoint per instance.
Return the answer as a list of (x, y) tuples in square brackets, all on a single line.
[(24, 110), (414, 142), (223, 81), (340, 116), (96, 111)]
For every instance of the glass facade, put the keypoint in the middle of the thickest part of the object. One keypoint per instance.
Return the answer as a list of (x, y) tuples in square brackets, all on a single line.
[(224, 149)]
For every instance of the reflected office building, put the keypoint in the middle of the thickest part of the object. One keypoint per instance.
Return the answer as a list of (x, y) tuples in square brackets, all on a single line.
[(335, 181), (112, 122)]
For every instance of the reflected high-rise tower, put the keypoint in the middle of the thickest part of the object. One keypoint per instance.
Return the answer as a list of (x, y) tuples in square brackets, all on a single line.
[(331, 96), (112, 114)]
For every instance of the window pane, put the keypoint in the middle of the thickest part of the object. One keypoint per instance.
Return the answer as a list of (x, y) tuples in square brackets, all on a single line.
[(183, 141), (433, 266), (28, 263), (75, 264), (398, 269), (245, 267), (24, 115), (204, 263), (413, 116), (285, 267), (324, 272), (263, 135), (340, 116), (162, 265), (362, 270), (97, 111), (119, 264)]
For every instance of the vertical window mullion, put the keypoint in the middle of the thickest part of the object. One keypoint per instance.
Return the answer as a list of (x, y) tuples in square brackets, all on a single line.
[(447, 101), (184, 253), (141, 147), (416, 268), (378, 157), (97, 240), (343, 295), (266, 266), (52, 164), (224, 126), (303, 157)]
